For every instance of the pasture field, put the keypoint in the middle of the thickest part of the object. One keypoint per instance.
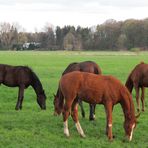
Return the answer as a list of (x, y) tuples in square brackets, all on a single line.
[(33, 128)]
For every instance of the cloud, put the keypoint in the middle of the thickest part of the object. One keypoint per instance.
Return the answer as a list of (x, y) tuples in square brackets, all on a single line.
[(35, 13), (76, 3)]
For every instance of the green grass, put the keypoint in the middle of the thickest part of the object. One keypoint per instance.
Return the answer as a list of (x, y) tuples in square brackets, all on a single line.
[(34, 128)]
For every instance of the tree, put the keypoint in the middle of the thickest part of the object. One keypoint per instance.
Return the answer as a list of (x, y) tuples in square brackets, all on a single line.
[(133, 30), (121, 42), (5, 34), (107, 34), (72, 41)]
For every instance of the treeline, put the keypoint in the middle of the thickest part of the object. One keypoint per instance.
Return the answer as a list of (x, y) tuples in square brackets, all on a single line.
[(111, 35)]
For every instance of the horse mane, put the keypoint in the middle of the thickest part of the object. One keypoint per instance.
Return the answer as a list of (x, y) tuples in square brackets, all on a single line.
[(68, 69), (127, 96), (129, 83), (36, 83)]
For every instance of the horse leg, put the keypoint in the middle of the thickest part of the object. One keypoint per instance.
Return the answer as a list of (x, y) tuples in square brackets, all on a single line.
[(82, 109), (66, 112), (137, 97), (142, 97), (20, 98), (108, 109), (92, 112), (74, 114)]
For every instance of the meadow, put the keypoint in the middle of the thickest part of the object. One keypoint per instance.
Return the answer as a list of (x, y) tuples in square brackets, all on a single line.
[(34, 128)]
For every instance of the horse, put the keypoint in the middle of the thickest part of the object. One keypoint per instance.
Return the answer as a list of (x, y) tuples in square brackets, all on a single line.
[(22, 77), (138, 78), (95, 89), (86, 66)]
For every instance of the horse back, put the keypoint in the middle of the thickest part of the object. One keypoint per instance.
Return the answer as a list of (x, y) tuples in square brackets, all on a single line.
[(86, 66), (16, 75), (90, 66), (140, 74), (90, 87)]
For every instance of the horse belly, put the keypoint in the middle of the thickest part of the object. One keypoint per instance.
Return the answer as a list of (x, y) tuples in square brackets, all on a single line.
[(9, 81), (145, 82), (90, 97), (10, 84)]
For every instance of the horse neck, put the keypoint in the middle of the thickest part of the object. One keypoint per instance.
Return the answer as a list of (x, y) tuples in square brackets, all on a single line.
[(128, 107), (70, 68), (36, 84), (129, 83)]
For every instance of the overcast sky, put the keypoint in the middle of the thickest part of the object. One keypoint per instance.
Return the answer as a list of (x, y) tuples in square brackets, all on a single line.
[(33, 14)]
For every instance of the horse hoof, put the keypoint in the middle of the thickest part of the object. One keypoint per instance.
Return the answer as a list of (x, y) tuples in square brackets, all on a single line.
[(143, 110), (16, 108), (67, 135), (91, 118), (83, 136), (138, 110), (110, 139), (83, 115), (55, 114)]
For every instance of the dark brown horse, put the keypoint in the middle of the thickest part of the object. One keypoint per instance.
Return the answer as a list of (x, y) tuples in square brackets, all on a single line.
[(95, 89), (87, 66), (138, 78), (22, 77)]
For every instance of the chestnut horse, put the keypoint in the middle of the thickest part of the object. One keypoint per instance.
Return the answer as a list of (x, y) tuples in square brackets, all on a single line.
[(22, 77), (86, 66), (95, 89), (138, 78)]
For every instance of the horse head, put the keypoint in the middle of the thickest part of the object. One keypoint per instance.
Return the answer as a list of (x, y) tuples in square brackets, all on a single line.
[(57, 110), (129, 126), (41, 100)]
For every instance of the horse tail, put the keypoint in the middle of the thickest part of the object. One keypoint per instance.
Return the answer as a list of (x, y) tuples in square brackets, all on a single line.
[(97, 70), (129, 83)]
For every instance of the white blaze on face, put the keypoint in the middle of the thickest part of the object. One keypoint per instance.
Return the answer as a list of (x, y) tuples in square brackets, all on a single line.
[(66, 131), (132, 132)]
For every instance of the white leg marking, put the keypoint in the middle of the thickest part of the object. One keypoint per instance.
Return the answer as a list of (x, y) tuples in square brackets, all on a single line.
[(66, 131), (109, 125), (79, 129), (132, 132), (94, 116)]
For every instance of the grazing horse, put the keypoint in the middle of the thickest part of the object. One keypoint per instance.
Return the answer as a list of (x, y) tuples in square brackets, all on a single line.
[(138, 78), (22, 77), (87, 66), (95, 89)]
